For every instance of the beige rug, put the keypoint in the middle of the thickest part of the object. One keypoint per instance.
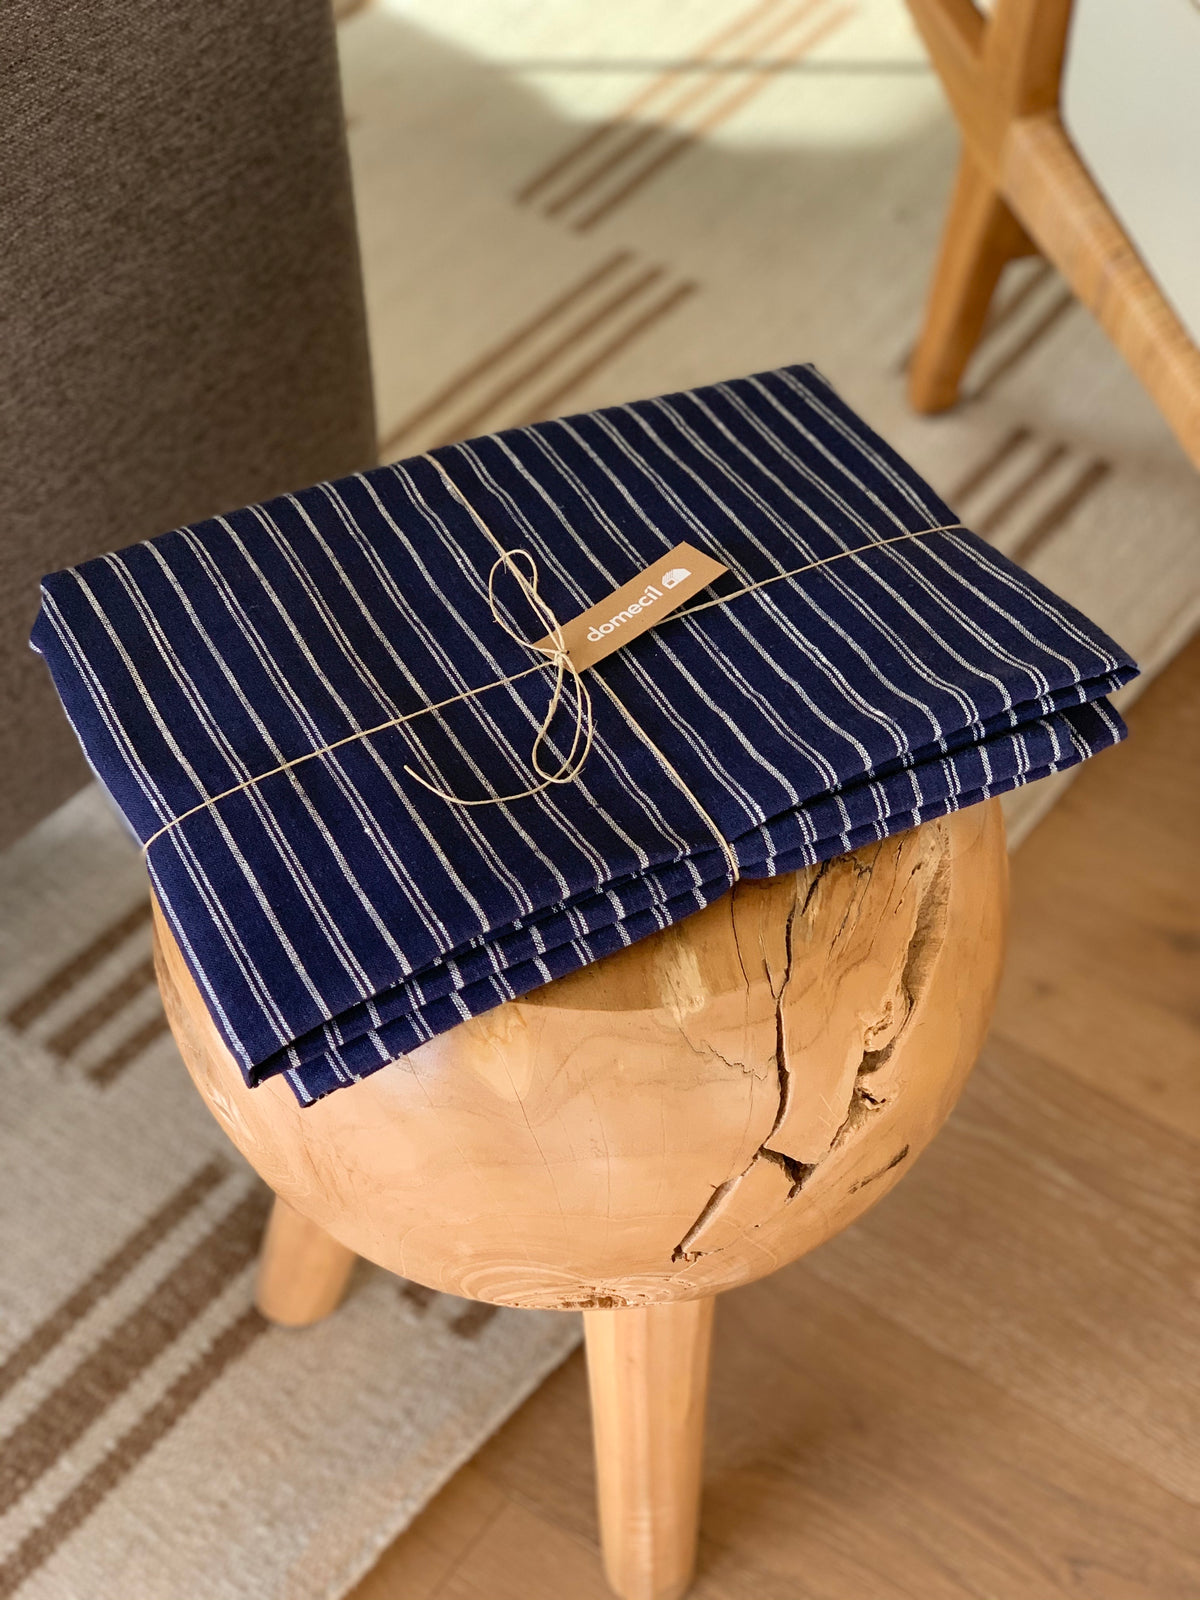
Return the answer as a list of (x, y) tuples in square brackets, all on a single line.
[(158, 1441), (562, 204)]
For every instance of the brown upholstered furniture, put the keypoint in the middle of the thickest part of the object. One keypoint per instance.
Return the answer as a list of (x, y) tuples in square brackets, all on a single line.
[(181, 314)]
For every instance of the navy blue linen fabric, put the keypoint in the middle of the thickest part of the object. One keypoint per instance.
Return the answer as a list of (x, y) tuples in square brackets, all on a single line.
[(339, 914)]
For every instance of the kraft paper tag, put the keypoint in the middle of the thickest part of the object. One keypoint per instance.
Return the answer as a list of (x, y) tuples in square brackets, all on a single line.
[(637, 605)]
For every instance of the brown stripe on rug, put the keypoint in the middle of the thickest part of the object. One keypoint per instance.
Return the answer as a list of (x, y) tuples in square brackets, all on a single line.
[(67, 1039), (998, 514), (635, 140), (1083, 486), (66, 1413), (471, 1322), (37, 1547), (979, 476), (66, 976), (734, 103), (548, 404), (644, 98), (694, 94), (131, 1211), (468, 1323), (1016, 353), (417, 1294), (472, 420), (1005, 308), (492, 357), (109, 1068), (138, 1244)]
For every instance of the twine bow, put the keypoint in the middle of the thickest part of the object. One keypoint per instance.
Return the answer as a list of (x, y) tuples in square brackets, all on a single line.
[(568, 681), (559, 658)]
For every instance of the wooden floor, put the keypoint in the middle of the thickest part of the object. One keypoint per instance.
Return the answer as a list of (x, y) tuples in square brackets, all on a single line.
[(990, 1387)]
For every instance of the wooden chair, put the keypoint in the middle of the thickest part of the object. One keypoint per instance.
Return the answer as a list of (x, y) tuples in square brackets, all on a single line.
[(677, 1119), (1021, 187)]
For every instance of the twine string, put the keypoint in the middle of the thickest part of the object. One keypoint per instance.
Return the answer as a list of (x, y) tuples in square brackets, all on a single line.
[(568, 684), (556, 656)]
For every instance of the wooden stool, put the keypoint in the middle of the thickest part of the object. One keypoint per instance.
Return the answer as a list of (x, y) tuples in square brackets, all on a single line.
[(682, 1117)]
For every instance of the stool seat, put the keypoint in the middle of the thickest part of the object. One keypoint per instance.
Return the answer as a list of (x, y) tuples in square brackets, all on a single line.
[(683, 1116), (676, 1119)]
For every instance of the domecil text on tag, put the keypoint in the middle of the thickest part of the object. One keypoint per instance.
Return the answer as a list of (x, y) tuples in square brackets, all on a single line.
[(641, 603)]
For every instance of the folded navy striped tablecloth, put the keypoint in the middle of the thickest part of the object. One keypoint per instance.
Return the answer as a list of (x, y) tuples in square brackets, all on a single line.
[(339, 913)]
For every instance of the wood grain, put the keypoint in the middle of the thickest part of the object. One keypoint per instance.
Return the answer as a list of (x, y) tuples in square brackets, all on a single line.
[(683, 1116), (648, 1381), (1052, 192), (1019, 171)]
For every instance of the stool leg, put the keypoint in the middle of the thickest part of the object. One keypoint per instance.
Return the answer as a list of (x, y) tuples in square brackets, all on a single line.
[(302, 1272), (648, 1375)]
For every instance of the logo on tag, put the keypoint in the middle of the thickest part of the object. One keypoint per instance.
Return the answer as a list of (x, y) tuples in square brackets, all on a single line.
[(637, 605)]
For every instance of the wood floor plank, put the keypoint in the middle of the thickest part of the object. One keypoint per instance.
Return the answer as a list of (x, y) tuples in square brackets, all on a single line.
[(1103, 974), (847, 1458), (1092, 1026), (522, 1556), (1048, 1239), (850, 1459), (428, 1551)]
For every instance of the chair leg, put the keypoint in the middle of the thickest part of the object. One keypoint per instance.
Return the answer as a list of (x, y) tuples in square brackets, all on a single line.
[(648, 1375), (302, 1271), (980, 237)]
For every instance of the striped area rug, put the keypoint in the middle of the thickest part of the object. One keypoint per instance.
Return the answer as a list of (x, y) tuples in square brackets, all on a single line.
[(157, 1438), (562, 205), (565, 205)]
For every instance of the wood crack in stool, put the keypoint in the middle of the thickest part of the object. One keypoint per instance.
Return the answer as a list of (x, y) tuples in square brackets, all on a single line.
[(679, 1118)]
